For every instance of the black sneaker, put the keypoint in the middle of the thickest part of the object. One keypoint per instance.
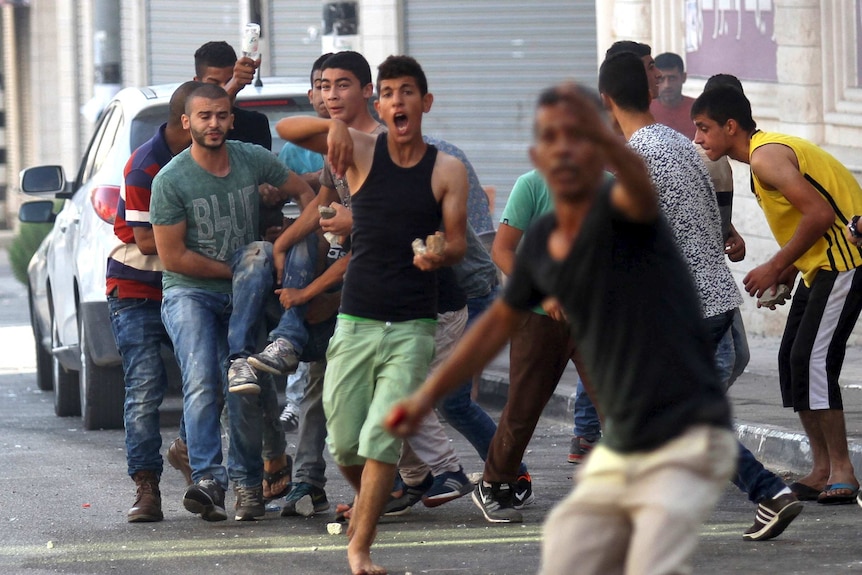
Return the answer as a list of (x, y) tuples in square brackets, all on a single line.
[(495, 501), (405, 496), (206, 498), (446, 487), (522, 491), (773, 516), (249, 503), (304, 499)]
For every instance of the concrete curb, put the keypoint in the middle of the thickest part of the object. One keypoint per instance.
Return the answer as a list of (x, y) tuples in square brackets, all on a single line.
[(787, 449)]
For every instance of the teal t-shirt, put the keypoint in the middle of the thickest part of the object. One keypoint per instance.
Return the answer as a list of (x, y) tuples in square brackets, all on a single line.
[(299, 159), (221, 213), (530, 198)]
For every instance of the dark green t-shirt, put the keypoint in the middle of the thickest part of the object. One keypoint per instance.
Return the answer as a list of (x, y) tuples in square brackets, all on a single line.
[(221, 213), (636, 320)]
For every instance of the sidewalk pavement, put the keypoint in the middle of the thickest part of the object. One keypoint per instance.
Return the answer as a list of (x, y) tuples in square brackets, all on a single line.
[(772, 432)]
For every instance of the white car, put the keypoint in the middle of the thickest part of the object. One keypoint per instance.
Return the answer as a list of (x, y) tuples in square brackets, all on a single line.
[(76, 353)]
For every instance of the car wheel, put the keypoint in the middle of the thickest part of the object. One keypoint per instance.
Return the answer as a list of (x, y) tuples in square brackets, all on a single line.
[(102, 390), (67, 397), (44, 369)]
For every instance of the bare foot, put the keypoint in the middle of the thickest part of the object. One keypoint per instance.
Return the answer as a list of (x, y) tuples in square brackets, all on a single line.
[(361, 563)]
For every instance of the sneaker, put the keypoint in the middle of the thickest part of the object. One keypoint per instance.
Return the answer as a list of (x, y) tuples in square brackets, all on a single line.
[(178, 457), (289, 417), (522, 491), (495, 501), (279, 358), (304, 499), (249, 503), (446, 487), (241, 377), (773, 516), (405, 496), (580, 449), (206, 498)]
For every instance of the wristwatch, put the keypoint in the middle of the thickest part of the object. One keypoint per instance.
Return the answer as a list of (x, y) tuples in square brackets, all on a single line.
[(852, 227)]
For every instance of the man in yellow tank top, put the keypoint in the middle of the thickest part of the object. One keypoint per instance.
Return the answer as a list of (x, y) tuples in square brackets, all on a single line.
[(808, 198)]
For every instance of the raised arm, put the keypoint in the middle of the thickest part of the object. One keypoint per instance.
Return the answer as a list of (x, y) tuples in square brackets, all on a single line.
[(176, 257)]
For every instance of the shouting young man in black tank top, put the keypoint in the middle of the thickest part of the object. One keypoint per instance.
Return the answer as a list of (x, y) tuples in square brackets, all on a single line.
[(400, 189)]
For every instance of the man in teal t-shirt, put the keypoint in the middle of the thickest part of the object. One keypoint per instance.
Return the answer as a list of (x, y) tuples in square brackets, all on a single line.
[(538, 354), (205, 211)]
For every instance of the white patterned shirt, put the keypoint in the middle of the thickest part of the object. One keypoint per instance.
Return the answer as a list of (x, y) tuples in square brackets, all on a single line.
[(687, 200)]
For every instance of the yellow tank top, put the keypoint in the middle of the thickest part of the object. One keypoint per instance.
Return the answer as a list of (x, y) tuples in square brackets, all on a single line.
[(835, 183)]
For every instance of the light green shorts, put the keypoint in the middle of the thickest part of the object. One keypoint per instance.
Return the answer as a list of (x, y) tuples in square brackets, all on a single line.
[(371, 365)]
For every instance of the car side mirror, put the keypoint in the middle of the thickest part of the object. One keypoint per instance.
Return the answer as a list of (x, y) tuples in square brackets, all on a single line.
[(42, 180), (38, 212)]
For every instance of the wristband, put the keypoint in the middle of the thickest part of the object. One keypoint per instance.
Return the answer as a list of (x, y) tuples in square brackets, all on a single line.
[(852, 227)]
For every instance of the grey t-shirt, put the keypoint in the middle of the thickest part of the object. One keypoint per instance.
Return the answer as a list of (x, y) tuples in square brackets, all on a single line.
[(221, 213)]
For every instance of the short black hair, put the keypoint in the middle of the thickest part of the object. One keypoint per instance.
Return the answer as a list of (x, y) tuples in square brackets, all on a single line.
[(623, 79), (353, 62), (668, 61), (217, 54), (318, 65), (178, 100), (205, 90), (725, 103), (636, 48), (399, 67), (563, 93), (723, 80)]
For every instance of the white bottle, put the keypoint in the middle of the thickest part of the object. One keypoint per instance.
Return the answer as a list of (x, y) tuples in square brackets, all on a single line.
[(251, 41)]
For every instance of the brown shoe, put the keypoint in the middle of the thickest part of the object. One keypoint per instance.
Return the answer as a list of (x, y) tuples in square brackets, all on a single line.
[(178, 457), (148, 503)]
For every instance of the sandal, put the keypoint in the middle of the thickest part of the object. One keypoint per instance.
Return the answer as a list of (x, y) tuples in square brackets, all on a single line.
[(838, 494), (280, 478), (804, 492)]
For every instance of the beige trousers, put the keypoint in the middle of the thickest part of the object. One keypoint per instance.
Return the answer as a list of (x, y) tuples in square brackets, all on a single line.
[(640, 513)]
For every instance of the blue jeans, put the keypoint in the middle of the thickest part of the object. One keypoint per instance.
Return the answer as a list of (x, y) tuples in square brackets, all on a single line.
[(200, 324), (459, 409), (299, 267), (751, 477), (197, 322), (587, 424), (733, 354), (140, 335), (253, 275)]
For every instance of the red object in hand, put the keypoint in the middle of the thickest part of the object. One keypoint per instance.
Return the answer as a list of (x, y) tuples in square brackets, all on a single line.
[(398, 415)]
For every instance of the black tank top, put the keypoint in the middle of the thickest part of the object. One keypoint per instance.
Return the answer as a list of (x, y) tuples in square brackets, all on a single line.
[(393, 207)]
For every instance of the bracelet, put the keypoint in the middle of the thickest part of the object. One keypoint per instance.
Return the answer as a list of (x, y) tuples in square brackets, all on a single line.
[(852, 227)]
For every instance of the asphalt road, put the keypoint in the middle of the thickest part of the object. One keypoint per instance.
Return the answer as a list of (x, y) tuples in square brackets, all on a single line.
[(64, 493)]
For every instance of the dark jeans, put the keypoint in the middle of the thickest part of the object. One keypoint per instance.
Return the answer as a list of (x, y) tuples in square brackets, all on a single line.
[(751, 477)]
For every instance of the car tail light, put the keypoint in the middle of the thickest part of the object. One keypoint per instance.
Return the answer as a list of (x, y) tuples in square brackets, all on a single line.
[(104, 200)]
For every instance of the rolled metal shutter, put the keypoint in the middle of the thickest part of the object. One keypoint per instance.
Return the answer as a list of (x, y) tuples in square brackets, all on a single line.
[(178, 27), (486, 63), (293, 48)]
